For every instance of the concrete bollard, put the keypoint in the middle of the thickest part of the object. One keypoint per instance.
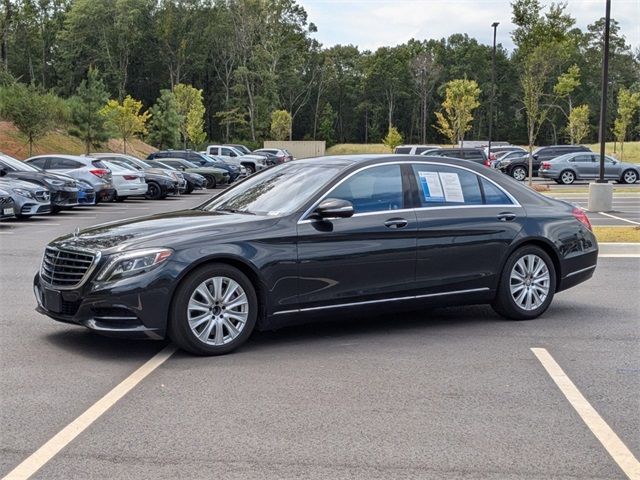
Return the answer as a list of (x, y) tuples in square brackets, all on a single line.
[(600, 197)]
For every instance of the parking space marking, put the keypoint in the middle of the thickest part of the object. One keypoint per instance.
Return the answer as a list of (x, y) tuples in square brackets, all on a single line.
[(619, 255), (602, 431), (619, 218), (60, 440)]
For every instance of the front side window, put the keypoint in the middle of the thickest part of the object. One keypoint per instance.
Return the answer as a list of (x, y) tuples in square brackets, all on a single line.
[(39, 162), (374, 189), (442, 185)]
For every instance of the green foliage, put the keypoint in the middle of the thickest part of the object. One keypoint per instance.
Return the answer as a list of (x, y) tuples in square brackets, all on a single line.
[(280, 125), (578, 125), (393, 138), (33, 112), (628, 105), (164, 126), (88, 123), (326, 129), (461, 99), (191, 111), (567, 82), (126, 118)]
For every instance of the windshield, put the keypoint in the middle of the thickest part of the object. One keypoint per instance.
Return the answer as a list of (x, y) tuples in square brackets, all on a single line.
[(17, 164), (276, 191)]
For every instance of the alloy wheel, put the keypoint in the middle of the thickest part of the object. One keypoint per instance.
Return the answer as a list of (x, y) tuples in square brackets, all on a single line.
[(519, 174), (529, 282), (567, 177), (218, 310), (630, 176)]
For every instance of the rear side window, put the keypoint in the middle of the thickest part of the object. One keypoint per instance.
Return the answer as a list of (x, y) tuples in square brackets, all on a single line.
[(419, 150), (493, 195), (64, 163), (374, 189), (403, 150), (39, 162), (473, 155), (98, 164), (441, 185)]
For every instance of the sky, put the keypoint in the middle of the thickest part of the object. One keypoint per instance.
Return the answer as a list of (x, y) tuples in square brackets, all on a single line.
[(370, 24)]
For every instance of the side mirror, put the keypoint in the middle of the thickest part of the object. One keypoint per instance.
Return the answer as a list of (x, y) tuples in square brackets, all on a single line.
[(334, 208), (535, 155), (3, 172)]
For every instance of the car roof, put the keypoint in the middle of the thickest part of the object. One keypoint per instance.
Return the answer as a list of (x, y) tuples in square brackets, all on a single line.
[(69, 157)]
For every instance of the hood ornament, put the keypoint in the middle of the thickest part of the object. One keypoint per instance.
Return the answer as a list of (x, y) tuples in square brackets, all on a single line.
[(76, 232)]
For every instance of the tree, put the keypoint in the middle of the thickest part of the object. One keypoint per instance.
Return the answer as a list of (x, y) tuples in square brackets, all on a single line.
[(393, 138), (280, 124), (628, 104), (578, 125), (164, 127), (33, 112), (89, 124), (191, 111), (126, 118), (461, 99), (327, 125)]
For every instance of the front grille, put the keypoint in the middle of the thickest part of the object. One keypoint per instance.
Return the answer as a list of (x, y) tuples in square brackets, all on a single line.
[(42, 195), (65, 268)]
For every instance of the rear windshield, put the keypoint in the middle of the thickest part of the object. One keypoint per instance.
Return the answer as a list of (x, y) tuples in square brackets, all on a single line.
[(403, 150)]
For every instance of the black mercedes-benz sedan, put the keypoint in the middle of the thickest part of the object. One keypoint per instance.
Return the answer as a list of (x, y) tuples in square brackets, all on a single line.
[(320, 235)]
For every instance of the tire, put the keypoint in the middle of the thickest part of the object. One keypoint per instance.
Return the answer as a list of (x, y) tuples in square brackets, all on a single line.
[(251, 169), (189, 189), (629, 176), (211, 181), (516, 295), (216, 319), (519, 173), (120, 199), (154, 192), (567, 177)]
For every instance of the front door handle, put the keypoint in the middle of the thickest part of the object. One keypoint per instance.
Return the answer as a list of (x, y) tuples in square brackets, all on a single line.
[(396, 223), (506, 216)]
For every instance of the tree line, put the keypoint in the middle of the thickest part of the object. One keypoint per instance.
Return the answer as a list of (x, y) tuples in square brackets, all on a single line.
[(180, 72)]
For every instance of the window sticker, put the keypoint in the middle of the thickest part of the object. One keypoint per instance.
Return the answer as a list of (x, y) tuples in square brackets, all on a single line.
[(451, 186), (431, 187)]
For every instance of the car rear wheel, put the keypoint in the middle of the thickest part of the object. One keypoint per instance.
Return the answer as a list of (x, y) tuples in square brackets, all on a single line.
[(250, 169), (214, 310), (527, 284), (629, 176), (567, 177), (154, 192), (519, 173)]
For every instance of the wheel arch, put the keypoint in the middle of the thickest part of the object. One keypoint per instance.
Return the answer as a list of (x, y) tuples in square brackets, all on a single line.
[(546, 245)]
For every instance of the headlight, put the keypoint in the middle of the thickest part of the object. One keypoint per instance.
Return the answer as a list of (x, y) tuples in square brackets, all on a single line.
[(23, 192), (133, 263), (57, 183)]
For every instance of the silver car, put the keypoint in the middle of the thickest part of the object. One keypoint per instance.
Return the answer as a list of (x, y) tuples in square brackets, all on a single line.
[(89, 169), (570, 167), (28, 198)]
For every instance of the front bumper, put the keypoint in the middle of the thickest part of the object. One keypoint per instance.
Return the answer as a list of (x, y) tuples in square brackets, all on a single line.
[(64, 198), (30, 208)]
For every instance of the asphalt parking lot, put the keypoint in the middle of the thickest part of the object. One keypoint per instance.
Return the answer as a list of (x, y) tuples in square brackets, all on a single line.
[(448, 393)]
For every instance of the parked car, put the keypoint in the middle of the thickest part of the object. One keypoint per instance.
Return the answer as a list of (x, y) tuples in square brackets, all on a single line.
[(89, 169), (500, 149), (241, 148), (476, 155), (272, 159), (224, 151), (235, 172), (86, 193), (194, 180), (7, 205), (128, 182), (568, 168), (28, 198), (518, 167), (214, 176), (199, 159), (320, 235), (282, 155), (414, 149), (63, 189)]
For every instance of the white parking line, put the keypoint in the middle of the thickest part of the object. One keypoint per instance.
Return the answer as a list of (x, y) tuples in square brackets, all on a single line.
[(619, 218), (602, 431), (60, 440), (619, 255)]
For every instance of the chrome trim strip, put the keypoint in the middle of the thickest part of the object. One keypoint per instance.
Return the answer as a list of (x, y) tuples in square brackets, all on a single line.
[(383, 300), (580, 271), (515, 203)]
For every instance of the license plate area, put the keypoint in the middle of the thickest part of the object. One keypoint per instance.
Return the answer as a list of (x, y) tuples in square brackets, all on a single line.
[(52, 300), (8, 211)]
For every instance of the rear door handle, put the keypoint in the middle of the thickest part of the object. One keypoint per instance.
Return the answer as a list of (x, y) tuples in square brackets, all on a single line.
[(506, 216), (396, 223)]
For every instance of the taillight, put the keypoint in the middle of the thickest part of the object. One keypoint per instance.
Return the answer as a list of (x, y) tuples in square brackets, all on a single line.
[(129, 177), (581, 216), (545, 165), (100, 172), (487, 163)]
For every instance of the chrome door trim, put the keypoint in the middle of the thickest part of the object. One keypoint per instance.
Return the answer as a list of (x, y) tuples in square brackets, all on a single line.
[(580, 271), (383, 300)]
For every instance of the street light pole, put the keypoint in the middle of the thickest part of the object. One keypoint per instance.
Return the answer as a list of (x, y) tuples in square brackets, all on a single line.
[(605, 84), (493, 86)]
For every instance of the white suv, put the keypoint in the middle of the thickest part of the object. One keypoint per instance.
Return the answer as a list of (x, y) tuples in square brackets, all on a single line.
[(414, 149), (252, 163)]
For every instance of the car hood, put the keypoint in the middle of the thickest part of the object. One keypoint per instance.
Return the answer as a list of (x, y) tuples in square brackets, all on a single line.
[(166, 230), (15, 183), (39, 177)]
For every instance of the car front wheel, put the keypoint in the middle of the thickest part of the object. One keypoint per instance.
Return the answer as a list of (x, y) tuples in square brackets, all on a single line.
[(214, 310), (629, 176), (211, 181), (527, 284), (154, 192), (519, 173)]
